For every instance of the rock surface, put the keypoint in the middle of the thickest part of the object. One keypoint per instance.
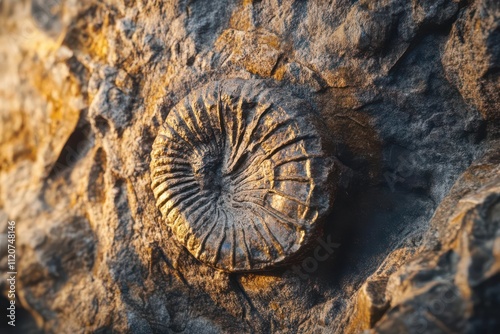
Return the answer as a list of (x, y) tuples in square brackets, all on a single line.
[(407, 89)]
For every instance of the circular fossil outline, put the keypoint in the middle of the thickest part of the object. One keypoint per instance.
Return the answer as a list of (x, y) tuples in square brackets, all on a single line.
[(242, 175)]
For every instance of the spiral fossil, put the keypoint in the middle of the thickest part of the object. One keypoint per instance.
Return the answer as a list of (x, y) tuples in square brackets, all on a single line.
[(241, 174)]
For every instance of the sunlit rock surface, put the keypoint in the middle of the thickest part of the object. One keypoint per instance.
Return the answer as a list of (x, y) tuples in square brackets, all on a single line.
[(407, 89)]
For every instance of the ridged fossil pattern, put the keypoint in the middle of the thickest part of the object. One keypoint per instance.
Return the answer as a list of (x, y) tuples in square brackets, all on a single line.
[(241, 175)]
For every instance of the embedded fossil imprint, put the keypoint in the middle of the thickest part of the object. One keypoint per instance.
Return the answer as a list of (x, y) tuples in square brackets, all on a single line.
[(241, 174)]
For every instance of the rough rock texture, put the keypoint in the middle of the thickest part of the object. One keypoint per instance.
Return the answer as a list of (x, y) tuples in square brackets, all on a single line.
[(407, 89), (472, 57)]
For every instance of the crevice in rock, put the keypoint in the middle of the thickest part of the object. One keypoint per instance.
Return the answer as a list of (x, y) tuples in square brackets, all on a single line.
[(77, 145), (96, 186), (102, 125)]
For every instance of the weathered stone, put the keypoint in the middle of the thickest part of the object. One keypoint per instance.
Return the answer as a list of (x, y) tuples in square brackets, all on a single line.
[(472, 56), (406, 90)]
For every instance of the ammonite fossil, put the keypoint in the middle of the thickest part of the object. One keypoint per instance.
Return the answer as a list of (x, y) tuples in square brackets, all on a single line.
[(241, 174)]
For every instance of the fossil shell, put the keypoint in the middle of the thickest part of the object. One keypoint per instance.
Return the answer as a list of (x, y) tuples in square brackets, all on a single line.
[(240, 174)]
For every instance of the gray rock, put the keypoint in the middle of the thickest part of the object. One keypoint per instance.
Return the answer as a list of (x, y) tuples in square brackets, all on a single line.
[(408, 93)]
